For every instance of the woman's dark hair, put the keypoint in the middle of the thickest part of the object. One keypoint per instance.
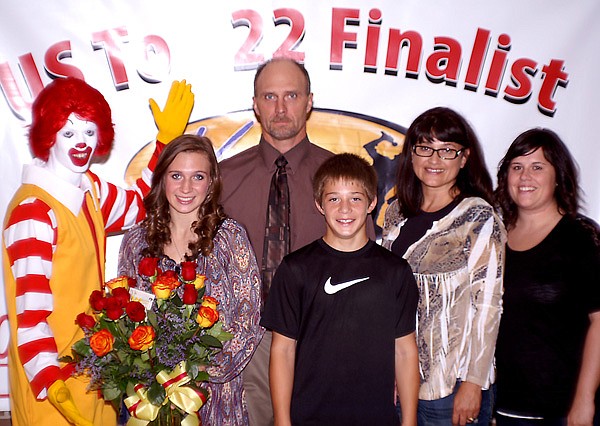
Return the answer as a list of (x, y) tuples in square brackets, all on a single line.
[(158, 217), (445, 125), (566, 193)]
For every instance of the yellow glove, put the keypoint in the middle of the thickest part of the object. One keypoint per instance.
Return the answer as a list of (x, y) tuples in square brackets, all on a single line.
[(171, 121), (60, 396)]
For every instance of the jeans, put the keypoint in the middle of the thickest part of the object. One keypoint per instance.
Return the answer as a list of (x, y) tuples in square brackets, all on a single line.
[(438, 412)]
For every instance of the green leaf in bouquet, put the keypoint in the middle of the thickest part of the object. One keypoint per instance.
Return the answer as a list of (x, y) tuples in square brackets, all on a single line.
[(202, 376), (191, 368), (142, 364), (187, 335), (177, 301), (200, 295), (151, 316), (122, 356), (116, 404), (224, 336), (111, 326), (123, 371), (156, 393), (66, 359), (82, 348), (198, 352), (123, 328), (215, 329), (111, 393), (211, 341)]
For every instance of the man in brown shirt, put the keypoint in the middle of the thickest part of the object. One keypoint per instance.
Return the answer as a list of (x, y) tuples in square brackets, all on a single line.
[(282, 101)]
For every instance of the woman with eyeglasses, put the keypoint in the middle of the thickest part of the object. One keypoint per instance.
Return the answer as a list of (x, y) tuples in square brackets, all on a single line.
[(548, 352), (444, 225)]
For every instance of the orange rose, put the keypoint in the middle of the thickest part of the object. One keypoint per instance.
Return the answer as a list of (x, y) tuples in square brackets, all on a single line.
[(165, 283), (101, 342), (142, 338), (122, 281), (207, 316), (210, 302), (199, 281)]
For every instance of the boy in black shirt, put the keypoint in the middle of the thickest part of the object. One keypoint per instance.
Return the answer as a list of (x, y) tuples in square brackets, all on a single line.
[(342, 310)]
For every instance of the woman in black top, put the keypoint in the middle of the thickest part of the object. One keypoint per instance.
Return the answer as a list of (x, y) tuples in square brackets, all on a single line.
[(548, 349)]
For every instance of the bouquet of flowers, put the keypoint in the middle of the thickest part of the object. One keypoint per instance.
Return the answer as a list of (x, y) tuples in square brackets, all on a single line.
[(151, 350)]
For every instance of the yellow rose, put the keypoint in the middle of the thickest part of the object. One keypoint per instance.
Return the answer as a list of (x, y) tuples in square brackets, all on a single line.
[(207, 317), (199, 281), (142, 338), (121, 281), (210, 302), (165, 283), (161, 290)]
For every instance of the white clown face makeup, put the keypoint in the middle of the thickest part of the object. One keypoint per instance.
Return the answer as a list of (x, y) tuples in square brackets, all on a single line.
[(74, 147)]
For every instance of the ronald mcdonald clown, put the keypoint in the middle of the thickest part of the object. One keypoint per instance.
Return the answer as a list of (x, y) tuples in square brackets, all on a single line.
[(54, 245)]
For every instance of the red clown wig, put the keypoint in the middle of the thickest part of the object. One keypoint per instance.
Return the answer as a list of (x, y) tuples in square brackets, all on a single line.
[(53, 106)]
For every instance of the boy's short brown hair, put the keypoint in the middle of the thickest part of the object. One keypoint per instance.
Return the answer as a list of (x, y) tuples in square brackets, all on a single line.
[(346, 167)]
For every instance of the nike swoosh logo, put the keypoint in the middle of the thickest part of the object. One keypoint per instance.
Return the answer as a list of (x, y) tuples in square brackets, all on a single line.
[(333, 289)]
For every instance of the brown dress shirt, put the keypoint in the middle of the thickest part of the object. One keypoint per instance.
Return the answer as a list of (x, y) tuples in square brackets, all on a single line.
[(246, 183)]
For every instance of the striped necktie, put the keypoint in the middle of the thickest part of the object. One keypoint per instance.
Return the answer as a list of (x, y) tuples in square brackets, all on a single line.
[(277, 229)]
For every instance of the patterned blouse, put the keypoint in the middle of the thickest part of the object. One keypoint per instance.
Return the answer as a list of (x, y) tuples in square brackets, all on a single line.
[(458, 265), (233, 278)]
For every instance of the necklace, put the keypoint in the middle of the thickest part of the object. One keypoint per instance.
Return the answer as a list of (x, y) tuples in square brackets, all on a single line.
[(181, 258)]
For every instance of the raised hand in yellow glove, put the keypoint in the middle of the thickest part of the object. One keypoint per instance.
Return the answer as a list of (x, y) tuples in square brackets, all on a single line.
[(171, 121), (60, 396)]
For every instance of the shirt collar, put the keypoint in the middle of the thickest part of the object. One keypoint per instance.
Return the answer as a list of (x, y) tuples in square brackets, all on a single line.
[(66, 193), (294, 156)]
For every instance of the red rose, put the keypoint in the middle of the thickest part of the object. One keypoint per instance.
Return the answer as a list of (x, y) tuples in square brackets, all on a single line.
[(190, 294), (86, 321), (132, 282), (113, 308), (148, 266), (188, 271), (169, 276), (97, 300), (136, 311), (121, 295)]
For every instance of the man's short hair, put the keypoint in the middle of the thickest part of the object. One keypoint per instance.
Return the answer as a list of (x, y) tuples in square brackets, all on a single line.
[(346, 167)]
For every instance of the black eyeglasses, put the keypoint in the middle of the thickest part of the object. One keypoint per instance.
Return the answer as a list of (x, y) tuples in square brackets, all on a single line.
[(443, 153)]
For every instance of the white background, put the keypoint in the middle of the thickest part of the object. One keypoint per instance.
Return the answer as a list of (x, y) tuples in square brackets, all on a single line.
[(203, 43)]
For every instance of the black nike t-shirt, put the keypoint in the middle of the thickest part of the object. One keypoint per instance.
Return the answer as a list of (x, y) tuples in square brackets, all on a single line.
[(345, 310)]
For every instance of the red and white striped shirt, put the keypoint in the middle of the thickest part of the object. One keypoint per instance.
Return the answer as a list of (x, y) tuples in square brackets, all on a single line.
[(30, 237)]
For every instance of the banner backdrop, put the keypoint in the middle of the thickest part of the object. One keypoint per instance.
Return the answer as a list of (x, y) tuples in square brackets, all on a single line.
[(506, 66)]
